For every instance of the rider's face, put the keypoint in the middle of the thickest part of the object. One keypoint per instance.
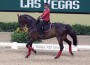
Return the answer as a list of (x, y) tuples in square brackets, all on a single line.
[(45, 6)]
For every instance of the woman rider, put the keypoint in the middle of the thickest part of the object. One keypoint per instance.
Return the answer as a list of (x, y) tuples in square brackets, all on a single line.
[(44, 19)]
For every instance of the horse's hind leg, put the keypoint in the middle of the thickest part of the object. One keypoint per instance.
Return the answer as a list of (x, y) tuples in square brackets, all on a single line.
[(70, 46), (60, 40), (29, 46)]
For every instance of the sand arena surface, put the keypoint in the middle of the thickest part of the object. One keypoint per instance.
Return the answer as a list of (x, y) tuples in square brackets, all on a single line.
[(17, 57)]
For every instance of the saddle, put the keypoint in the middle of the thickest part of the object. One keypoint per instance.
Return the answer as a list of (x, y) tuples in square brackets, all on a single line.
[(47, 27)]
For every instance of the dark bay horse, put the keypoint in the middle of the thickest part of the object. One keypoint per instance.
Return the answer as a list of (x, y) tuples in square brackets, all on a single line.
[(58, 30)]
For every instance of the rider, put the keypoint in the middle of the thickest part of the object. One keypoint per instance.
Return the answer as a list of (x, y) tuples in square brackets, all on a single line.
[(44, 19)]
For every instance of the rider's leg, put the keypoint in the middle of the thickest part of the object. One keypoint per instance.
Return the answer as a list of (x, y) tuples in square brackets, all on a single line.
[(40, 27), (41, 31)]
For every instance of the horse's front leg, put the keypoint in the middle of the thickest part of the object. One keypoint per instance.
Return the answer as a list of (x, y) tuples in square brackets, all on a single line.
[(60, 41), (29, 47)]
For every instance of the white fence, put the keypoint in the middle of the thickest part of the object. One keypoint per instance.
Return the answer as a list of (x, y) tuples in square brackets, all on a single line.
[(16, 45)]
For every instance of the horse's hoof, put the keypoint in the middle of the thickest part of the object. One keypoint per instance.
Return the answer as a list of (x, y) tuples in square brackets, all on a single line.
[(72, 54), (56, 58), (35, 51), (26, 56)]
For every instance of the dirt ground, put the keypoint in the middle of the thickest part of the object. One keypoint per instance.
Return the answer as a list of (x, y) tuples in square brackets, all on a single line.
[(17, 57), (82, 40), (5, 36)]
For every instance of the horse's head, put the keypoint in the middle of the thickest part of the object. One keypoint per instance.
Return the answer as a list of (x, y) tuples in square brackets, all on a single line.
[(21, 21), (25, 20)]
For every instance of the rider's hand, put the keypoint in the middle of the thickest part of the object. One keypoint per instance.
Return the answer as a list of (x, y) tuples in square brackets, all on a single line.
[(38, 18), (41, 19)]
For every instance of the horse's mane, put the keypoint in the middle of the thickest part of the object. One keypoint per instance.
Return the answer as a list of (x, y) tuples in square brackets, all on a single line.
[(28, 16)]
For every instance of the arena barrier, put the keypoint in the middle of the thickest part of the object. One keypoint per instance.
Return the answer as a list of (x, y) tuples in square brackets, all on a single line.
[(44, 46)]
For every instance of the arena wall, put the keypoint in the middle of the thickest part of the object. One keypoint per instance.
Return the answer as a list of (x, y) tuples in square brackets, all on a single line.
[(55, 17)]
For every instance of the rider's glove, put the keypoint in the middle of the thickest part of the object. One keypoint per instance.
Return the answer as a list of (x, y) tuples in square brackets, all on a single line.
[(41, 19)]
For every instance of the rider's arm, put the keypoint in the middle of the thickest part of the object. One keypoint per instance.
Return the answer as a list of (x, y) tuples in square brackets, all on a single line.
[(44, 13)]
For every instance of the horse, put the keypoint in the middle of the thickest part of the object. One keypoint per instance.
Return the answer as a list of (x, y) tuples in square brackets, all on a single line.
[(58, 30)]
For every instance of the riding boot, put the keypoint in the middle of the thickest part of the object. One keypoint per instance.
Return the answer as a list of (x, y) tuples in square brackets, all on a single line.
[(42, 34), (41, 30)]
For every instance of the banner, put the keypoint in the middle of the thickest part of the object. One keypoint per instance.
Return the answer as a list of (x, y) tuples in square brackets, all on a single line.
[(57, 6)]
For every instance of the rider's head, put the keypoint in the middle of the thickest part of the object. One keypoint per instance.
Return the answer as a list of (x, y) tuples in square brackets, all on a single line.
[(46, 5)]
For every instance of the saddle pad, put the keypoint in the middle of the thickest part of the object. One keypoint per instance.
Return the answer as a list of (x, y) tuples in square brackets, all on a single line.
[(47, 27)]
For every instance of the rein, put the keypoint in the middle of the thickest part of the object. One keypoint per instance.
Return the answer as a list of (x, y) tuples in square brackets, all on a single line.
[(32, 26)]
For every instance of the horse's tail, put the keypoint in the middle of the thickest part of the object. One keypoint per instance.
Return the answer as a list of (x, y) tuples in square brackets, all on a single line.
[(72, 34)]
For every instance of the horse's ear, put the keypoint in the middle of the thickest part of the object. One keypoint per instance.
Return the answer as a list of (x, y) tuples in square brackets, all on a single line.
[(18, 15)]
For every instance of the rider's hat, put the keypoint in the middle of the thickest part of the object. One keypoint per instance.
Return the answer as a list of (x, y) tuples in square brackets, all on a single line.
[(46, 4)]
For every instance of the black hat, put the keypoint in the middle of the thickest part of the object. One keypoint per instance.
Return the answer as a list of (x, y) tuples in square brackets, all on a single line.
[(46, 4)]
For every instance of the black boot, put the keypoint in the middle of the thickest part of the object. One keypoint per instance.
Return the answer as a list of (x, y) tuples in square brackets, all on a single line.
[(41, 35)]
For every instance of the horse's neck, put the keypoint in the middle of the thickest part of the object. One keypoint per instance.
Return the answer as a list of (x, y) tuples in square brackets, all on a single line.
[(30, 24), (30, 21)]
